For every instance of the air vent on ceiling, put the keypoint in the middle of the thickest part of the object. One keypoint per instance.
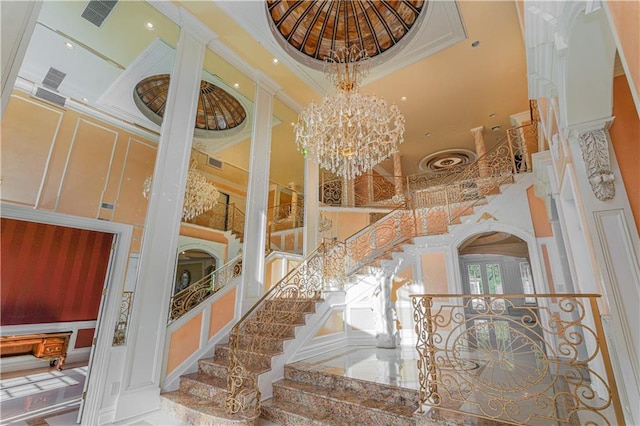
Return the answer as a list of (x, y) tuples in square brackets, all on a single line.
[(49, 96), (98, 10), (214, 163), (53, 79)]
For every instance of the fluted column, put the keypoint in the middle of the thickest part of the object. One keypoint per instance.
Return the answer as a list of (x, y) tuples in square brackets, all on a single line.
[(255, 228), (481, 150)]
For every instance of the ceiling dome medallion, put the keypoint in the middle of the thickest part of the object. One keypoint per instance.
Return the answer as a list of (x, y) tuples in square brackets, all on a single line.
[(217, 110), (316, 27), (446, 159)]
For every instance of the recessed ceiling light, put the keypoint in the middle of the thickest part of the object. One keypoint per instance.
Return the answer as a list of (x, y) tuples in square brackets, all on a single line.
[(69, 45), (275, 61), (427, 134), (403, 99), (496, 128), (236, 85), (149, 25), (475, 43), (493, 114), (85, 99)]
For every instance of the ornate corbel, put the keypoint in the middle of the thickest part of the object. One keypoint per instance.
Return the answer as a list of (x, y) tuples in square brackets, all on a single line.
[(595, 153)]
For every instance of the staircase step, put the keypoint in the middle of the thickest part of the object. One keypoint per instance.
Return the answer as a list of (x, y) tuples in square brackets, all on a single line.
[(260, 359), (292, 305), (279, 330), (309, 374), (285, 317), (287, 413), (218, 368), (257, 343), (204, 386), (199, 411), (349, 406)]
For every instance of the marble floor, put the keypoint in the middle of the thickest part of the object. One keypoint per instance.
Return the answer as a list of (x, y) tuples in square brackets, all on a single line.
[(395, 367)]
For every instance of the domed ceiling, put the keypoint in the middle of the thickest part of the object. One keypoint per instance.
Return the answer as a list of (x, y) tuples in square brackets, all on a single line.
[(217, 110), (315, 27)]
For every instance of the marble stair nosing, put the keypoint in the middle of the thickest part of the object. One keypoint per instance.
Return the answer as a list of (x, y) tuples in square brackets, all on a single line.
[(203, 385), (194, 410), (246, 356)]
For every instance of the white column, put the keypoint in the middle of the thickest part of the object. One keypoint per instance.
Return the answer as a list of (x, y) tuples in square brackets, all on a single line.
[(481, 150), (18, 21), (145, 345), (311, 206), (255, 223)]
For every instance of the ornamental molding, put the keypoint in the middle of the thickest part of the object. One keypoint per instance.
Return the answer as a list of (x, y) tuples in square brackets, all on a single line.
[(594, 145)]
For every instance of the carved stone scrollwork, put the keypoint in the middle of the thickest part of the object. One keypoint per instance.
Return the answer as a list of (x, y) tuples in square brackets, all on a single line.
[(595, 153)]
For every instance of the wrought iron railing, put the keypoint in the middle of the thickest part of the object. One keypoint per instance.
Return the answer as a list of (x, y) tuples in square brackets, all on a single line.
[(380, 237), (306, 282), (498, 358), (120, 334), (286, 216), (187, 299), (370, 189), (223, 217), (443, 196)]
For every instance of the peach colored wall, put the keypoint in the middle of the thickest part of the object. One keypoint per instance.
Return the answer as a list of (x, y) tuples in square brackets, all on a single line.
[(626, 16), (76, 161), (541, 224), (183, 342), (348, 223), (222, 312), (625, 137), (434, 272), (203, 234), (333, 324)]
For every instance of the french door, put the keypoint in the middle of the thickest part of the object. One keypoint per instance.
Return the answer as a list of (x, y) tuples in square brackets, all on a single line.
[(484, 278)]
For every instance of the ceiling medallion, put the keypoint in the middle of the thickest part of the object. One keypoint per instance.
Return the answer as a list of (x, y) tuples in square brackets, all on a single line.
[(446, 159), (216, 111), (349, 133)]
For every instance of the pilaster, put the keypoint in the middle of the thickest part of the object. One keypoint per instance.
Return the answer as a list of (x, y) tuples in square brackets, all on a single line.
[(481, 150)]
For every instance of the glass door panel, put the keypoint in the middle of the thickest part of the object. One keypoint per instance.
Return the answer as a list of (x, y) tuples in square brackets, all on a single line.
[(474, 274), (494, 278)]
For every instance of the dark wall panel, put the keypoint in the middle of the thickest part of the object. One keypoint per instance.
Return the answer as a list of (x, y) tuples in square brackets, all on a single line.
[(51, 273)]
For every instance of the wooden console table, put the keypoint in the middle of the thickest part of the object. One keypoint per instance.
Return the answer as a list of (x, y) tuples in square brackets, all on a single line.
[(51, 346)]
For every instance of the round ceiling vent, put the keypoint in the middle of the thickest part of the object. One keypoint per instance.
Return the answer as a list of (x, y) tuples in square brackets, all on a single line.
[(313, 28), (217, 110), (446, 159)]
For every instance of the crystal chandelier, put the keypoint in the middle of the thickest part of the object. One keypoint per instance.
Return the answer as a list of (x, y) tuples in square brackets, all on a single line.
[(349, 133), (200, 194)]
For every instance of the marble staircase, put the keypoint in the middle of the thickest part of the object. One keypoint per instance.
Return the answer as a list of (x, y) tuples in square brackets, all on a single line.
[(200, 399)]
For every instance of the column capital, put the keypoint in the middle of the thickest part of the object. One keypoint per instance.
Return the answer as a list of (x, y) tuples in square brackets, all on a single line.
[(267, 83), (477, 130), (594, 145)]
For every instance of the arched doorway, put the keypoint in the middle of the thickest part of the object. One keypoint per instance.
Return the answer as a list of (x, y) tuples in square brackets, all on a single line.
[(191, 267)]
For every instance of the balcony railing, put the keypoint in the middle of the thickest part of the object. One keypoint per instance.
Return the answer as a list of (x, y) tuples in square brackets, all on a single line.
[(501, 359), (187, 299), (367, 190), (120, 335)]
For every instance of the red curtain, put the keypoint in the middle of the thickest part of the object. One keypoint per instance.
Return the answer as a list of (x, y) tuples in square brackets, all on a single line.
[(51, 273)]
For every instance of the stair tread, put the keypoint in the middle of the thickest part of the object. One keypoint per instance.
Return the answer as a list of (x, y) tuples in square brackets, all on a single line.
[(225, 363), (205, 406), (311, 415), (206, 379), (351, 397), (265, 352)]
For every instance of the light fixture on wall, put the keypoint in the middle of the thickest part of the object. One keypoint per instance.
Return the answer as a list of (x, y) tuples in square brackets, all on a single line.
[(349, 133), (200, 194)]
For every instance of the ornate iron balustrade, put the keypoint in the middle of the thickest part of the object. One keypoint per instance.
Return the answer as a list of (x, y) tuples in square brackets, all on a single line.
[(187, 299), (120, 334), (365, 190), (501, 359), (442, 197), (223, 217), (305, 283), (380, 237), (286, 216)]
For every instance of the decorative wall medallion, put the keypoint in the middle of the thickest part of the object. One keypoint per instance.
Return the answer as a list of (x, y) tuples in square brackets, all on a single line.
[(595, 153)]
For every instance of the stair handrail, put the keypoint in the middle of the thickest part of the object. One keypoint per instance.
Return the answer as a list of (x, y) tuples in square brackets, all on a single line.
[(190, 297), (306, 281), (380, 237)]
